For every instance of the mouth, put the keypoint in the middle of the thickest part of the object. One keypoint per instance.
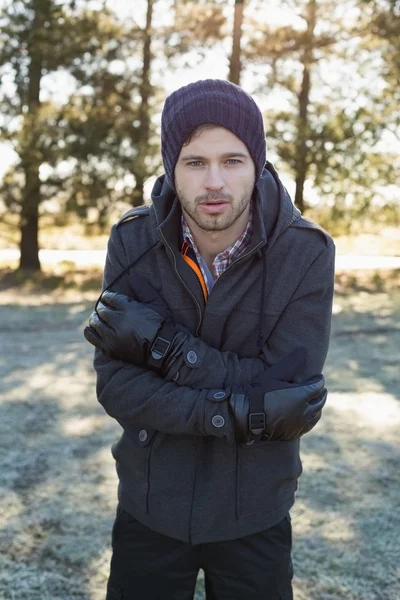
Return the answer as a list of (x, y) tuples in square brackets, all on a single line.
[(221, 201), (214, 206)]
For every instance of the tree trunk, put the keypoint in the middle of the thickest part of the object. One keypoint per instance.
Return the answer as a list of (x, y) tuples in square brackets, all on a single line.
[(301, 163), (301, 149), (29, 223), (235, 66), (30, 159), (139, 169)]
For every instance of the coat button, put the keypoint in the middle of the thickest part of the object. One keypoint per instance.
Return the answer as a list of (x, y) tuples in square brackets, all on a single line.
[(219, 395), (192, 357), (142, 435), (218, 421)]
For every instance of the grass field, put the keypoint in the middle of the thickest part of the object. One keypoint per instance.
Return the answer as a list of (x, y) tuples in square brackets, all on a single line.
[(376, 240), (57, 477)]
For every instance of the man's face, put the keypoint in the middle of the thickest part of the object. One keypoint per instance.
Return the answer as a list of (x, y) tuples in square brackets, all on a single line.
[(214, 179)]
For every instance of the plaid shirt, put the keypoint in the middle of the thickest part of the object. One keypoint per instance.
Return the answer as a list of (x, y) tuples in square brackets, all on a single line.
[(225, 258)]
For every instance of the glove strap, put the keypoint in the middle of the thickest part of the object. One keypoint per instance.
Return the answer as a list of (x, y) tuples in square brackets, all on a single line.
[(161, 345), (256, 413)]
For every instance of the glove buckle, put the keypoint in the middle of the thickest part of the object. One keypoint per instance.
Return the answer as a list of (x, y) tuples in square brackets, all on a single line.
[(160, 348), (257, 423)]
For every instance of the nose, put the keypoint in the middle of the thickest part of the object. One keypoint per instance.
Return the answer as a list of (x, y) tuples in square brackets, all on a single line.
[(214, 179)]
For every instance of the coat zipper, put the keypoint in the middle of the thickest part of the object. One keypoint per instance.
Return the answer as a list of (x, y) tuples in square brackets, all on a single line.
[(185, 284), (201, 314), (252, 251)]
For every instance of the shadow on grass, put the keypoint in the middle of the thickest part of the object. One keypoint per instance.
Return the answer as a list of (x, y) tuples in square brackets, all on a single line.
[(66, 277), (365, 342), (58, 482), (346, 516), (56, 494)]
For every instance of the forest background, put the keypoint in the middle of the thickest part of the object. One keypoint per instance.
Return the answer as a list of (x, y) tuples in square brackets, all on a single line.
[(82, 85)]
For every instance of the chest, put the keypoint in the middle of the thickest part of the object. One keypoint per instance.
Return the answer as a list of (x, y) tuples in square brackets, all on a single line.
[(243, 306)]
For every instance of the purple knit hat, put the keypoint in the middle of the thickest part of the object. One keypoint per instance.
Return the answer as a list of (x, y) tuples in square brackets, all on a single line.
[(211, 101)]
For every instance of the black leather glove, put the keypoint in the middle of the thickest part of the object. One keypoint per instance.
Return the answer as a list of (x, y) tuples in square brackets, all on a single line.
[(274, 409), (133, 332)]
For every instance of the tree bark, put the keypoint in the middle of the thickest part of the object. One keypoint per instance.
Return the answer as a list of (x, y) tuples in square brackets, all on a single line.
[(301, 162), (235, 66), (29, 223), (30, 159), (139, 170)]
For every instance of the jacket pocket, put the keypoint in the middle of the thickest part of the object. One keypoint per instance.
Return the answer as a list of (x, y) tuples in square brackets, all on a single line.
[(268, 474), (132, 454)]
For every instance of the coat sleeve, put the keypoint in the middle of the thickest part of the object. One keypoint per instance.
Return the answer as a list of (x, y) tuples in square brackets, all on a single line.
[(306, 320), (134, 395), (306, 317), (213, 368)]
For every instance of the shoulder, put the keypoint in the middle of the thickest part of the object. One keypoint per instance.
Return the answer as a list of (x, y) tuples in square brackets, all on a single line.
[(134, 213), (309, 227), (135, 231), (303, 243)]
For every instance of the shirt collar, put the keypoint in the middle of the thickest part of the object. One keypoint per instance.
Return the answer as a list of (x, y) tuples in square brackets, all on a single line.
[(227, 256)]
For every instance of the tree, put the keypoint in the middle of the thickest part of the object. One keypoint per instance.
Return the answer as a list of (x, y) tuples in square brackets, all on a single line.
[(235, 66), (324, 130), (197, 26), (80, 153), (307, 58), (145, 91), (292, 54), (201, 25), (28, 78), (382, 32)]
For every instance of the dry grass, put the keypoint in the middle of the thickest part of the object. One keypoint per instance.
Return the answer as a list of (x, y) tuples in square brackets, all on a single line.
[(58, 484), (379, 240), (384, 241)]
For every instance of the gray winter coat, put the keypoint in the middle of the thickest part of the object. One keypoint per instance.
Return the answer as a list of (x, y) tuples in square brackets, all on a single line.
[(180, 470)]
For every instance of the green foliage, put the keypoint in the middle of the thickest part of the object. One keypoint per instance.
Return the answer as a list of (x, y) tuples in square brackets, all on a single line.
[(90, 152), (85, 147), (332, 131), (197, 26), (383, 35)]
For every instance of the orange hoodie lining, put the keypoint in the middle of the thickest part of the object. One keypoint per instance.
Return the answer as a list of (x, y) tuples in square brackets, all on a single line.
[(199, 274)]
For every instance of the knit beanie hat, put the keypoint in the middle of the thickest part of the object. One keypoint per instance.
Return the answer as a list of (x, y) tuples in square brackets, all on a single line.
[(216, 102)]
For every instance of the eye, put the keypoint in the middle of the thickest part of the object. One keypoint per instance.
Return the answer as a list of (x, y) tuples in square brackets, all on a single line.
[(233, 161), (194, 163)]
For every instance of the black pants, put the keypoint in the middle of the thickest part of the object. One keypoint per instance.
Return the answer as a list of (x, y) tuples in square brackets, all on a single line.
[(146, 565)]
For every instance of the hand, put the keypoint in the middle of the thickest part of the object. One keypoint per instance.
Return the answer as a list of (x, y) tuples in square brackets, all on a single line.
[(280, 410), (123, 328), (134, 332), (287, 413)]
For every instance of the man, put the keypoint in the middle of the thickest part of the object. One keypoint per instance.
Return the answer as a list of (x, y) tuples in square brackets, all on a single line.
[(211, 335)]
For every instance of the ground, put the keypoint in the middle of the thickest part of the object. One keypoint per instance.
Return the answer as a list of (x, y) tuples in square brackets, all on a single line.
[(57, 477)]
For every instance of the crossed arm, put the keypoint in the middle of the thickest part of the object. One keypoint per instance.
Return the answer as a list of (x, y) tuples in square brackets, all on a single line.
[(133, 393)]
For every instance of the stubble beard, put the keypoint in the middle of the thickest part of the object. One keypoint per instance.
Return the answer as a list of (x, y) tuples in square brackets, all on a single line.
[(214, 222)]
